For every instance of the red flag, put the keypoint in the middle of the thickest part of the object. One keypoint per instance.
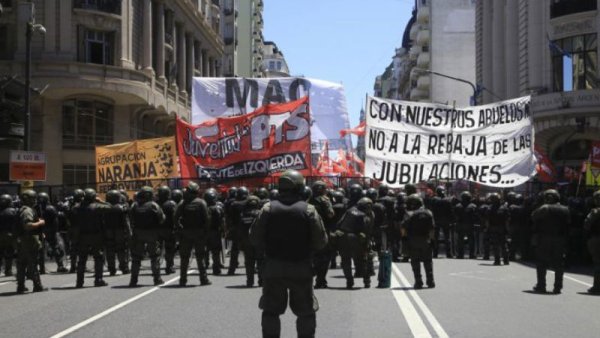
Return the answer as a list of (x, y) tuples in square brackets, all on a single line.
[(544, 168), (595, 154), (358, 130), (345, 162), (360, 165), (324, 165)]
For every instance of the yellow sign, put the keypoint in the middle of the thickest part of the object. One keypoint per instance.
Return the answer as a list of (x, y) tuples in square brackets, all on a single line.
[(132, 165), (592, 175)]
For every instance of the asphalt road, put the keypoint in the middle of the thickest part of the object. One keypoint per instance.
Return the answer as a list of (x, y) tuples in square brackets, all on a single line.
[(473, 298)]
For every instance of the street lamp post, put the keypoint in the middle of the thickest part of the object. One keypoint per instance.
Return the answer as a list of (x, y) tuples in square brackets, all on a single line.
[(31, 27), (476, 88)]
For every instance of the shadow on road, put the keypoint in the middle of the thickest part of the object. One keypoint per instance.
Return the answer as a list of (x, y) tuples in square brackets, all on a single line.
[(539, 293), (588, 294), (240, 287), (9, 294)]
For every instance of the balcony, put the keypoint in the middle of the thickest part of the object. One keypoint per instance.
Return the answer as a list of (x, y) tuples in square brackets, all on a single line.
[(566, 7), (424, 82), (423, 60), (423, 37), (423, 15), (107, 6)]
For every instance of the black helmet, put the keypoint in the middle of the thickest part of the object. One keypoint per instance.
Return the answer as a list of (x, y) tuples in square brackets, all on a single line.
[(596, 198), (191, 191), (253, 202), (384, 190), (307, 193), (319, 188), (337, 197), (78, 195), (5, 201), (372, 194), (291, 182), (177, 195), (440, 191), (146, 193), (465, 197), (274, 194), (400, 198), (551, 196), (113, 197), (355, 192), (242, 193), (210, 196), (519, 200), (89, 195), (163, 192), (365, 205), (510, 197), (28, 197), (410, 189), (262, 193), (43, 198), (494, 198), (414, 202), (232, 192)]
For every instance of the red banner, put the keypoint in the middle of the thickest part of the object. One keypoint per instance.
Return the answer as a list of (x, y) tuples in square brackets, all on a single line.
[(271, 139), (544, 167), (595, 154), (358, 130)]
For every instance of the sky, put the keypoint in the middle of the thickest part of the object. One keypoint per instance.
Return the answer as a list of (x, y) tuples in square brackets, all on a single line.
[(345, 41)]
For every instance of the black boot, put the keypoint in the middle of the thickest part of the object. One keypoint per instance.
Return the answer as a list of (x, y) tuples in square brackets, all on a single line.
[(8, 267), (595, 289), (155, 266), (98, 271), (21, 279), (416, 267), (135, 271), (183, 271), (429, 273), (540, 287), (202, 272), (80, 273), (37, 283)]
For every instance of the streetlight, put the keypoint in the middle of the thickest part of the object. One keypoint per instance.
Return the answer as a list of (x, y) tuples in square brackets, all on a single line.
[(31, 27), (476, 88)]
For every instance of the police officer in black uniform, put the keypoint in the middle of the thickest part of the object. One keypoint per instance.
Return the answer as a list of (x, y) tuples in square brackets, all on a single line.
[(289, 230), (117, 233), (9, 221), (51, 234), (444, 218), (147, 219), (324, 207), (419, 227), (166, 236), (215, 229), (234, 231), (339, 206), (72, 231), (192, 221), (550, 226), (466, 217), (498, 218), (518, 227), (89, 236), (253, 259), (29, 243), (592, 226)]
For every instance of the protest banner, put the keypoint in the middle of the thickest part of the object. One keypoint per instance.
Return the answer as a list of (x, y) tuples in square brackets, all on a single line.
[(412, 142), (272, 139), (132, 165), (222, 97)]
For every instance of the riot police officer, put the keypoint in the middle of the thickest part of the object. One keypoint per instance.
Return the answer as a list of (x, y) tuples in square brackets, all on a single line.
[(192, 221), (518, 228), (89, 236), (444, 218), (550, 225), (253, 259), (28, 243), (177, 196), (72, 231), (419, 227), (9, 221), (117, 233), (146, 221), (166, 236), (339, 206), (324, 207), (215, 229), (234, 232), (497, 228), (592, 226), (466, 217), (51, 234), (289, 231)]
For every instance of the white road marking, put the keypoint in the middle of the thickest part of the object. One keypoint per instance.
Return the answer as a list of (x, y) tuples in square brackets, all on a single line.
[(430, 317), (415, 323), (113, 309), (577, 281), (5, 283)]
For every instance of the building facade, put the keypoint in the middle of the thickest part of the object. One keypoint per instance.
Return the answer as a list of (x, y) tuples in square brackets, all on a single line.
[(274, 64), (547, 49), (249, 56), (105, 71)]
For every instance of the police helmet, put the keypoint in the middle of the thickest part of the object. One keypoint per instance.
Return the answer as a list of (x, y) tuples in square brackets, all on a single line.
[(253, 202), (519, 200), (113, 197), (337, 197), (440, 191), (89, 195), (242, 193), (210, 196), (319, 188), (163, 192), (384, 190), (146, 193), (262, 193), (510, 197), (5, 201), (551, 196), (410, 189), (177, 195), (355, 192), (274, 194), (291, 182), (365, 204), (191, 191), (232, 192), (28, 197), (43, 198), (400, 198), (494, 198), (465, 197), (78, 195), (307, 193), (414, 202), (372, 194)]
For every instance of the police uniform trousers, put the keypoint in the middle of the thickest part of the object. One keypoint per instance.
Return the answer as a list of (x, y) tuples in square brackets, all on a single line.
[(420, 250), (117, 242), (449, 243), (90, 244), (352, 247), (498, 246), (168, 242), (285, 280), (28, 247), (253, 261), (145, 240), (192, 239), (55, 245), (593, 245), (550, 252), (322, 261), (7, 251), (214, 246), (465, 235)]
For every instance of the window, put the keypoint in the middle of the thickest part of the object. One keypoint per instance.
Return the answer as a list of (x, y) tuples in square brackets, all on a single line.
[(74, 174), (271, 65), (98, 47), (574, 63), (86, 123)]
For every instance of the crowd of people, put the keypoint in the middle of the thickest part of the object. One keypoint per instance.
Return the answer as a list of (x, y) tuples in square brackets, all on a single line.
[(360, 222)]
